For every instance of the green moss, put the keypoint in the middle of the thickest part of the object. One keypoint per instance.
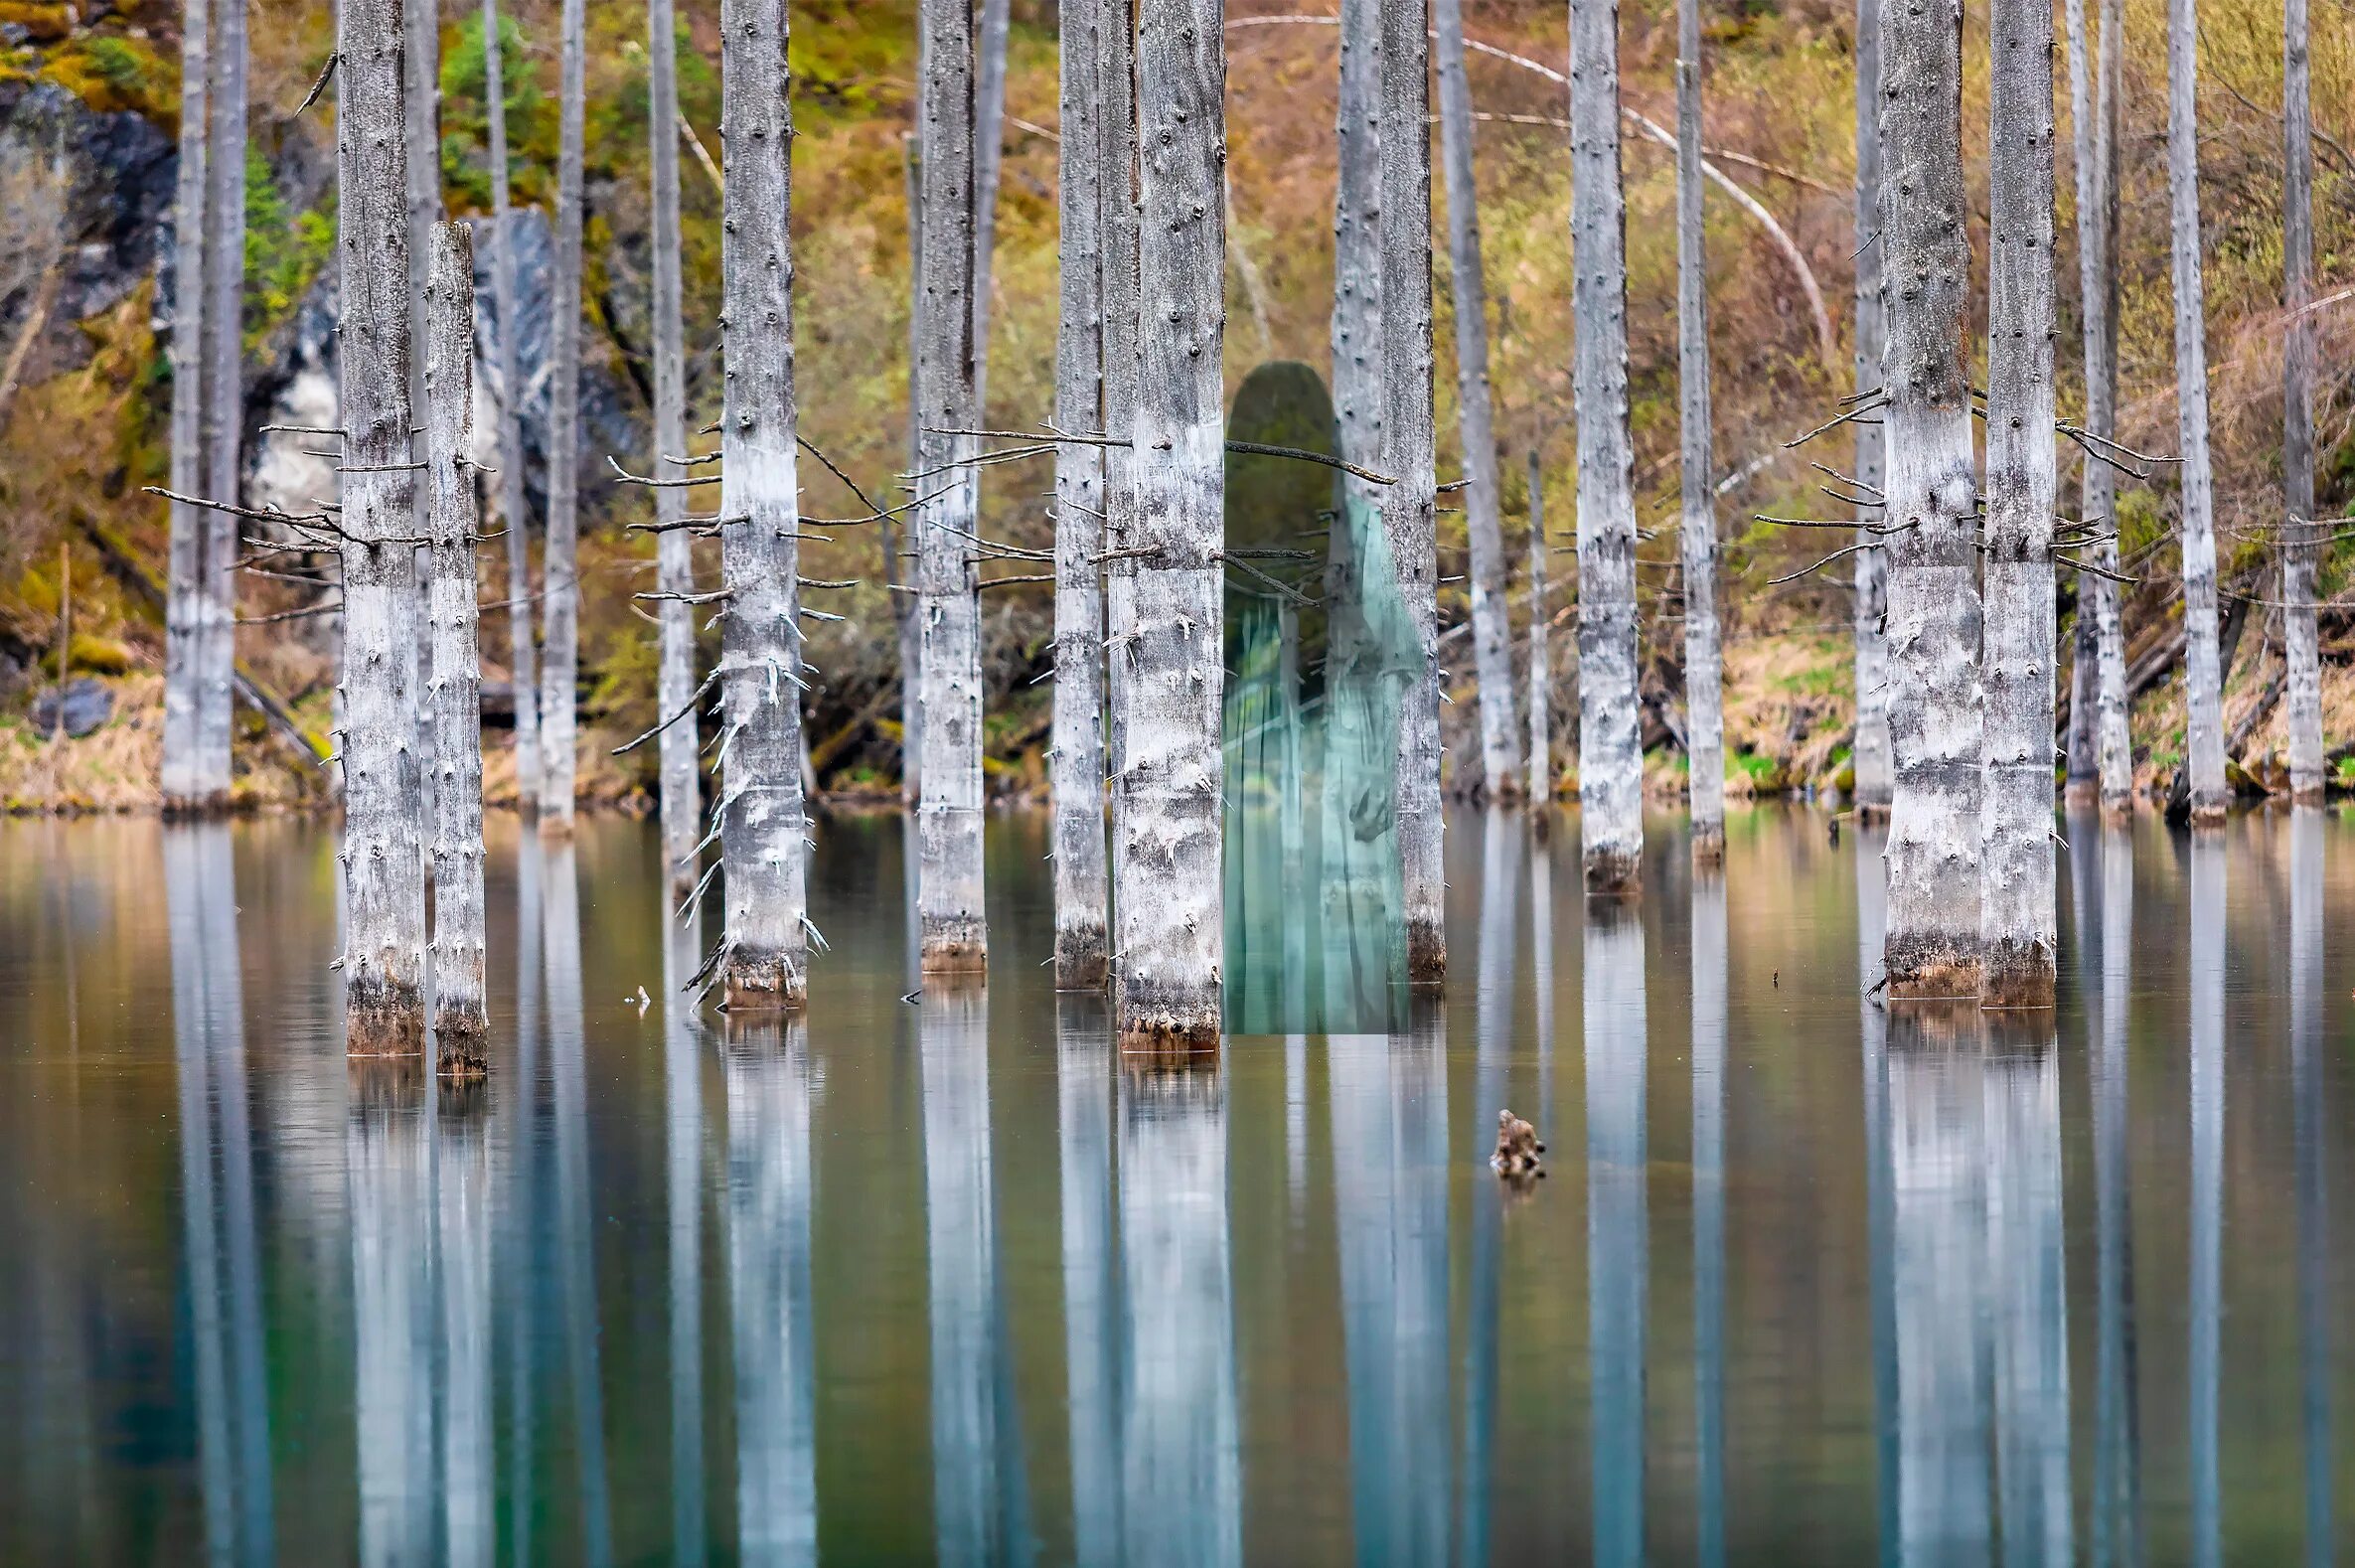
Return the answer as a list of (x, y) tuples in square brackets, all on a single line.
[(284, 250), (466, 123)]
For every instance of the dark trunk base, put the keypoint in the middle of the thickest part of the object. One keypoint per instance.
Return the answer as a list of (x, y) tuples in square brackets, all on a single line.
[(1612, 874), (2018, 975), (1083, 958), (757, 983), (1426, 953), (1709, 844), (954, 947), (383, 1020), (1930, 970)]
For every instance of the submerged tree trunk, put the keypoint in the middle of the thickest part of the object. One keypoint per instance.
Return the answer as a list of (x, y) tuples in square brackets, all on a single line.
[(675, 684), (455, 692), (2203, 680), (514, 509), (1610, 752), (949, 814), (764, 816), (1171, 939), (1931, 944), (185, 785), (2019, 913), (1409, 506), (1116, 234), (1492, 633), (1082, 906), (2300, 545), (1869, 760), (560, 580), (1541, 674), (383, 876), (897, 557), (989, 159), (2097, 217), (224, 340), (1704, 720), (421, 130)]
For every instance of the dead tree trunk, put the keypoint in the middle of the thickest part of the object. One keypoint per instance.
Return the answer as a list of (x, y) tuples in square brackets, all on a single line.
[(224, 349), (185, 784), (383, 876), (1704, 718), (675, 684), (559, 572), (2203, 680), (1932, 943), (2096, 245), (455, 692), (1082, 903), (1409, 506), (764, 816), (949, 814), (896, 569), (1117, 233), (420, 133), (1542, 675), (514, 510), (1869, 760), (989, 160), (1170, 940), (1491, 632), (2301, 546), (1610, 751), (2018, 909)]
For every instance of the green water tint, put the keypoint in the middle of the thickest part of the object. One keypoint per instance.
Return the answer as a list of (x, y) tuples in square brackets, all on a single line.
[(1319, 654)]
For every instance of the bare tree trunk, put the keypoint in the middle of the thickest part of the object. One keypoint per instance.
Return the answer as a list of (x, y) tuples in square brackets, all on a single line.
[(1541, 674), (2301, 548), (1116, 234), (455, 692), (675, 684), (1610, 751), (1704, 717), (895, 556), (1409, 506), (949, 813), (1869, 760), (559, 572), (2113, 742), (2203, 680), (989, 159), (1932, 945), (514, 511), (383, 876), (1491, 632), (225, 347), (184, 613), (420, 131), (2019, 912), (1082, 903), (1169, 941), (764, 816)]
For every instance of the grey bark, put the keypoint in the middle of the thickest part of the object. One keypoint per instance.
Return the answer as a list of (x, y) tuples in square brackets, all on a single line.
[(989, 159), (1082, 900), (2020, 912), (183, 783), (1116, 42), (1704, 717), (1610, 752), (383, 876), (514, 510), (674, 681), (420, 131), (2203, 680), (454, 693), (560, 581), (1932, 945), (1492, 633), (911, 696), (949, 811), (1169, 935), (764, 816), (1409, 506), (1542, 675), (2301, 546), (225, 335), (2095, 108), (1874, 778)]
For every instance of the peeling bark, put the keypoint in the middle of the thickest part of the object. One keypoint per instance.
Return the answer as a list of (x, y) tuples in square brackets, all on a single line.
[(225, 353), (763, 817), (675, 683), (2301, 546), (514, 510), (185, 786), (1935, 727), (1492, 633), (1082, 903), (2019, 912), (1169, 943), (454, 693), (1542, 675), (560, 581), (1704, 716), (1409, 506), (2203, 680), (1609, 753), (1870, 762), (383, 876)]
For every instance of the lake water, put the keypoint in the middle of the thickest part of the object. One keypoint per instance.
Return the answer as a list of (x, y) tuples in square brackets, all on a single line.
[(1808, 1281)]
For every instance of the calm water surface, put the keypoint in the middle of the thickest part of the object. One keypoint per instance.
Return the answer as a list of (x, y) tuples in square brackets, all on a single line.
[(1809, 1282)]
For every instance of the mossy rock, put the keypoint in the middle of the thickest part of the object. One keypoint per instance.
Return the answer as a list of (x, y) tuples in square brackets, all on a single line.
[(103, 655), (43, 24)]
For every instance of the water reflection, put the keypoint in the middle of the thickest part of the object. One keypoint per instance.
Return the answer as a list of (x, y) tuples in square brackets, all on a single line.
[(2116, 1516), (518, 1118), (1708, 1206), (388, 1166), (1880, 1203), (683, 1148), (1084, 1058), (462, 1256), (2311, 1134), (1618, 1238), (2207, 1187), (1501, 850), (2027, 1279), (576, 1262)]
